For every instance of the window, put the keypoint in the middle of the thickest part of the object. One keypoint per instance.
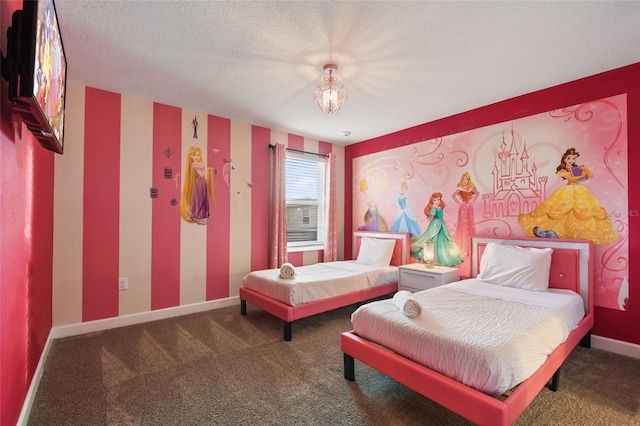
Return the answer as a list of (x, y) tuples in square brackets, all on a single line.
[(305, 185)]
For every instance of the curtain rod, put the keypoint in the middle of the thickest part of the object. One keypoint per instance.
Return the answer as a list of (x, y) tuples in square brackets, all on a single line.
[(301, 151)]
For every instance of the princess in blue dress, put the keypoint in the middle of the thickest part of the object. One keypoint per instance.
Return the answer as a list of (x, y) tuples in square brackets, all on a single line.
[(405, 220), (447, 252)]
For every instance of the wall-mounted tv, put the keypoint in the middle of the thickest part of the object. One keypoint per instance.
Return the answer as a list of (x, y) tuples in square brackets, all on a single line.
[(38, 71)]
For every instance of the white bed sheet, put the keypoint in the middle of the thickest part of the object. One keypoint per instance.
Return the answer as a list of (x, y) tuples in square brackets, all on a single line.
[(319, 281), (486, 336)]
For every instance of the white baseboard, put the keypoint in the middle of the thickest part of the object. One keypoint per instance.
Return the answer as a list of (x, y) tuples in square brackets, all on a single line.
[(142, 317), (106, 324), (33, 387), (616, 346)]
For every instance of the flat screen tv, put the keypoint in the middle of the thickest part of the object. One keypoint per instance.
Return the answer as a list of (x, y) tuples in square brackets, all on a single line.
[(37, 86)]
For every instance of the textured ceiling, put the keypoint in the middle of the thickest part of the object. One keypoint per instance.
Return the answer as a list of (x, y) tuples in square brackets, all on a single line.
[(403, 63)]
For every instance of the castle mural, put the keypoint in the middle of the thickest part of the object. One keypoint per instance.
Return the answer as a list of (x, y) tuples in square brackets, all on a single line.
[(514, 179), (516, 186)]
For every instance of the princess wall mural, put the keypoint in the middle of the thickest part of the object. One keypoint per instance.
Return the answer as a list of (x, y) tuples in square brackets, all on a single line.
[(447, 252), (405, 220), (465, 195), (560, 174), (571, 211), (373, 218)]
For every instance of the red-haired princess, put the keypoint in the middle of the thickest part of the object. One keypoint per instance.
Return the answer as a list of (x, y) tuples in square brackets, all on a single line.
[(447, 252), (571, 212)]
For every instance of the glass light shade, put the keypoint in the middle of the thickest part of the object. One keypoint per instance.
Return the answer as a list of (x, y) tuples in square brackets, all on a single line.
[(428, 253), (329, 94)]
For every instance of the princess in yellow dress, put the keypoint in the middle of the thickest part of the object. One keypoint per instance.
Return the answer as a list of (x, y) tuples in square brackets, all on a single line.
[(572, 212)]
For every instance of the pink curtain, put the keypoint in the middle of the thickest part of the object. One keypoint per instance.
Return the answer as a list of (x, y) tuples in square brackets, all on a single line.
[(279, 210), (331, 237)]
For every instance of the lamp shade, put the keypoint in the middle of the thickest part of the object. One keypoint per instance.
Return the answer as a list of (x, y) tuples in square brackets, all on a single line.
[(428, 253)]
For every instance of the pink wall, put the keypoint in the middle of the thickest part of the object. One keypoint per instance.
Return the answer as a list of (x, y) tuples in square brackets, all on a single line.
[(165, 223), (619, 325), (260, 188), (102, 204), (26, 250), (124, 159)]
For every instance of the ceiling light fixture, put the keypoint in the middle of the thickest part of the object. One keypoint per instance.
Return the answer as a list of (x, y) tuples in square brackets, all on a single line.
[(329, 94)]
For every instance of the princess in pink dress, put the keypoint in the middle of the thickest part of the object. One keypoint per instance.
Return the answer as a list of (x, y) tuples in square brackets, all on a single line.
[(465, 196), (197, 190)]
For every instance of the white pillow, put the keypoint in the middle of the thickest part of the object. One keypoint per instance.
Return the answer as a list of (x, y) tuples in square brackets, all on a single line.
[(514, 266), (375, 251)]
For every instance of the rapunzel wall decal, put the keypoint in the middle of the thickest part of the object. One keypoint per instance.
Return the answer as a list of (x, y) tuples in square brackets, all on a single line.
[(197, 188)]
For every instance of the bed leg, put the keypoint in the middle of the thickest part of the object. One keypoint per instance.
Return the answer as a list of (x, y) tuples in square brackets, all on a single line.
[(586, 341), (555, 381), (287, 331), (243, 307), (349, 368)]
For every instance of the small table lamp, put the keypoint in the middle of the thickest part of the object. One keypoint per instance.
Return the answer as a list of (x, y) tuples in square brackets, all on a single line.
[(428, 253)]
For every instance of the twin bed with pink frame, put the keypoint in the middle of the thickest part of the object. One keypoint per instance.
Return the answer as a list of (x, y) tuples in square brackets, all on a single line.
[(289, 313), (571, 269)]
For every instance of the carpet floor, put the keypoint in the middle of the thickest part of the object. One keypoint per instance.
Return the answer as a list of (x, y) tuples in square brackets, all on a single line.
[(222, 368)]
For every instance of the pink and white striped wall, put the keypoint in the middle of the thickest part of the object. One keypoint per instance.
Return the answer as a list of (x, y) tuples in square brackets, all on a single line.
[(107, 225)]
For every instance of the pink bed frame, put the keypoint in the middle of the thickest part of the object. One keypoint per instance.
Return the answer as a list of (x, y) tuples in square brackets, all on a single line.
[(571, 268), (289, 313)]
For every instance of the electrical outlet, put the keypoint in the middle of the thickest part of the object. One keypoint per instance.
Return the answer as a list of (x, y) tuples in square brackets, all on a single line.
[(123, 283)]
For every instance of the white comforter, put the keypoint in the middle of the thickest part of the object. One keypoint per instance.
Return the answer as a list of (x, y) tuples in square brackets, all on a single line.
[(486, 336), (319, 281)]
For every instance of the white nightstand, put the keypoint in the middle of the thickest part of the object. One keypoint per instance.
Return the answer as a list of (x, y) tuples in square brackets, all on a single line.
[(416, 277)]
